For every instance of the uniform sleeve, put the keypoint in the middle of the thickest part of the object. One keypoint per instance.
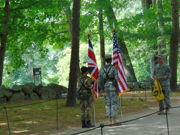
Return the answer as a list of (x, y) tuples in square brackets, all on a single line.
[(101, 80), (167, 73), (78, 92), (115, 73), (89, 82), (154, 71)]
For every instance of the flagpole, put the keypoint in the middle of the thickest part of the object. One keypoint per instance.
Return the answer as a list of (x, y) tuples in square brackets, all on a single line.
[(120, 104), (94, 114), (93, 72)]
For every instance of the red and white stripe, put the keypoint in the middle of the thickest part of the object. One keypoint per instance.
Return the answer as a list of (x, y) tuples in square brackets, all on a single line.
[(117, 61)]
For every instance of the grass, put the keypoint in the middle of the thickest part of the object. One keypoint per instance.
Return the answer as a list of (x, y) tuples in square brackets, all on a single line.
[(43, 119)]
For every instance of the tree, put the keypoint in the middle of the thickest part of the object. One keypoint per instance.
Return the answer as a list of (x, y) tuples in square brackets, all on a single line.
[(101, 35), (173, 60), (161, 38), (112, 20), (22, 26), (4, 37), (74, 65)]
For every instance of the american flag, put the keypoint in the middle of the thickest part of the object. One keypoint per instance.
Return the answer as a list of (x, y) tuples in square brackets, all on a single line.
[(117, 61), (92, 67)]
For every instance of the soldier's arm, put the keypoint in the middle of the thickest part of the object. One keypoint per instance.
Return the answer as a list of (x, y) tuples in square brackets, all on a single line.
[(100, 80), (89, 83), (115, 73), (166, 74)]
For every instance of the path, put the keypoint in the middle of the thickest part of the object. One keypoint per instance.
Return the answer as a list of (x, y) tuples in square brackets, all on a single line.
[(151, 125)]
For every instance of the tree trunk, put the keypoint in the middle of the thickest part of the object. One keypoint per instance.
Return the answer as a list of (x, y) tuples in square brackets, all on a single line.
[(161, 39), (174, 45), (146, 4), (3, 38), (74, 65), (101, 34), (113, 21)]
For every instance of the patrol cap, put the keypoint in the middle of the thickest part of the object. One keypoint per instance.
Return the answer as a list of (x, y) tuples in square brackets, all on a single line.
[(158, 57), (107, 56), (84, 69)]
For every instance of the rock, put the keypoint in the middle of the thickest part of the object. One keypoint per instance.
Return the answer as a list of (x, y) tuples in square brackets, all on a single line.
[(18, 97), (27, 89)]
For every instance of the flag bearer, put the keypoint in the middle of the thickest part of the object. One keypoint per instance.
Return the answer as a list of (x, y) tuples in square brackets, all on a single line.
[(108, 84), (85, 96), (162, 73)]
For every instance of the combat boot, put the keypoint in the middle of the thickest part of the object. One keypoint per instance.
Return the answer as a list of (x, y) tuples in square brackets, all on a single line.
[(84, 125), (89, 125)]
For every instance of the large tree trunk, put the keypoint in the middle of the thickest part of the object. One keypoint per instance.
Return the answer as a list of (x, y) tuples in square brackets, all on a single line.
[(161, 38), (101, 34), (74, 65), (174, 45), (112, 20), (3, 38)]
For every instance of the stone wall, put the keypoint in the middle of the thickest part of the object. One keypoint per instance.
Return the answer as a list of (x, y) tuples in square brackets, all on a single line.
[(30, 91)]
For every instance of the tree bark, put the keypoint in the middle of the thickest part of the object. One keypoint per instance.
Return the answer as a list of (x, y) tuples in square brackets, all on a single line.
[(101, 35), (113, 21), (74, 64), (174, 45), (146, 4), (4, 37), (161, 38)]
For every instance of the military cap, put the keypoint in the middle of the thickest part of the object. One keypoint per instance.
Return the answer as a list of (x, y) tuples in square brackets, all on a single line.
[(84, 69), (107, 56), (158, 57)]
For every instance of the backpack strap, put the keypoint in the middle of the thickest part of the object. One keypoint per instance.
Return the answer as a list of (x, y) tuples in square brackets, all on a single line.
[(107, 72), (83, 85)]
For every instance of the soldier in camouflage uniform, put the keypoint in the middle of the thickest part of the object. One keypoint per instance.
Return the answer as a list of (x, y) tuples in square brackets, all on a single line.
[(107, 82), (85, 96), (162, 73)]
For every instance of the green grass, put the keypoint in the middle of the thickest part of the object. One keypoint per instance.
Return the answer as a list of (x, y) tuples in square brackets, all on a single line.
[(41, 119)]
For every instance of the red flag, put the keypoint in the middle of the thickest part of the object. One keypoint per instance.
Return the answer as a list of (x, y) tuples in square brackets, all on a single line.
[(92, 67), (117, 61)]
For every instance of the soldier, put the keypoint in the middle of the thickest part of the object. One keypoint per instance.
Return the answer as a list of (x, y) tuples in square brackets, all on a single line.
[(85, 96), (108, 84), (162, 73)]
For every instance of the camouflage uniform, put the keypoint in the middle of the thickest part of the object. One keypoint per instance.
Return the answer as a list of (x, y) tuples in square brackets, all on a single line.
[(85, 97), (107, 82), (162, 71)]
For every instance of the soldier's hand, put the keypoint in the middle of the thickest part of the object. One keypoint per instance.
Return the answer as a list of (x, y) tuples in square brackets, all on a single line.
[(157, 78)]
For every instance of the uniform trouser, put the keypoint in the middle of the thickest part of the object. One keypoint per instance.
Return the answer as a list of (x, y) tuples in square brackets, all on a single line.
[(112, 110), (166, 103), (112, 106), (86, 111)]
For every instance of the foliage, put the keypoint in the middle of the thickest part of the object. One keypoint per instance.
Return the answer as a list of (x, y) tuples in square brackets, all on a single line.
[(39, 36)]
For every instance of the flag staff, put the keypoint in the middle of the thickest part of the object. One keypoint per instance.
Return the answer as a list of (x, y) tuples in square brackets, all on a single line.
[(120, 101), (92, 72), (118, 63)]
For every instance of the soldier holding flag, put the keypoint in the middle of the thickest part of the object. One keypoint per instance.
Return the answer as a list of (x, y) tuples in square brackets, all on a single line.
[(107, 81), (162, 73), (85, 96)]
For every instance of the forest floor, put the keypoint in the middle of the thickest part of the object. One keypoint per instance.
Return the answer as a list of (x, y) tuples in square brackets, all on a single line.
[(53, 117)]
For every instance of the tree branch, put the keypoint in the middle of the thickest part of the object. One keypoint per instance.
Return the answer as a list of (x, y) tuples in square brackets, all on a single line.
[(62, 32), (25, 7), (91, 13)]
